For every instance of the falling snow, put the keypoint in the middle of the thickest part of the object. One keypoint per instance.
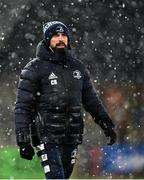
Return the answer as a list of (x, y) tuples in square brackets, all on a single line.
[(108, 36)]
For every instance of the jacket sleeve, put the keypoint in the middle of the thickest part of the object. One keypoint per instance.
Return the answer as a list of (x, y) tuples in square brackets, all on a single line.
[(25, 103), (93, 104)]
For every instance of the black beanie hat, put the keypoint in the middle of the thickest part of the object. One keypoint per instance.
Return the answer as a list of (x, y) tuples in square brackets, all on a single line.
[(54, 27)]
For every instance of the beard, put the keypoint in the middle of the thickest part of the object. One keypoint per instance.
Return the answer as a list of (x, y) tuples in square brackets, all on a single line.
[(61, 54)]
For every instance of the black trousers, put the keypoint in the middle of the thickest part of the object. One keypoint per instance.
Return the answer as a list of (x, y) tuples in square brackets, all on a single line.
[(57, 160)]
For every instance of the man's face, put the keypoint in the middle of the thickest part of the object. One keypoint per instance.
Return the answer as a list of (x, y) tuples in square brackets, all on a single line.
[(59, 40)]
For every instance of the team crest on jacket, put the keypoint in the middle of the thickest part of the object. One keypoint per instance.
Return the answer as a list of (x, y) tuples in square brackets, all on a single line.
[(53, 78), (77, 74)]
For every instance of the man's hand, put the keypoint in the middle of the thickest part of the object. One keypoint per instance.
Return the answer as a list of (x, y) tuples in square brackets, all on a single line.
[(27, 151), (111, 136)]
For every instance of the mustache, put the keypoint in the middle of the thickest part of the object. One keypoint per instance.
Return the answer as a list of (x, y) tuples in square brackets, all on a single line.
[(61, 43)]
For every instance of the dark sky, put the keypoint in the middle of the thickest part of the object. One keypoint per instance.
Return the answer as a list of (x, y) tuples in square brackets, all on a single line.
[(106, 35)]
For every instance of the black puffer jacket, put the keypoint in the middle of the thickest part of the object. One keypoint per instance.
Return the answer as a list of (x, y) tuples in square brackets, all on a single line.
[(55, 91)]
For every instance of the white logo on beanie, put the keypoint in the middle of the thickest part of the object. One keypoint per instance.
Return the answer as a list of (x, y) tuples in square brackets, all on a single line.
[(59, 29), (47, 25)]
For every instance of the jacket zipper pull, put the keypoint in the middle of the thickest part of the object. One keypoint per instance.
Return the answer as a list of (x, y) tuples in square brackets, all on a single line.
[(65, 66)]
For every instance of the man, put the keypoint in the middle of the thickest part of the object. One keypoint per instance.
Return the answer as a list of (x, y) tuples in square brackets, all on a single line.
[(51, 91)]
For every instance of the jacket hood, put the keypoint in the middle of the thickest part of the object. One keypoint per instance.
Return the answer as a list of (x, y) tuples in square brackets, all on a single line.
[(43, 52)]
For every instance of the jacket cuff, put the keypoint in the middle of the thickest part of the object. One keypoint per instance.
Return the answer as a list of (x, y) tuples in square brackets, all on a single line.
[(22, 138), (105, 124)]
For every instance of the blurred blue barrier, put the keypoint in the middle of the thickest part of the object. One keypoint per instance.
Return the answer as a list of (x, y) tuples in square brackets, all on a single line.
[(123, 159)]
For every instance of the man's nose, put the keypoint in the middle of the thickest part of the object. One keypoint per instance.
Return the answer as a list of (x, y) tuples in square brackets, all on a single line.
[(61, 37)]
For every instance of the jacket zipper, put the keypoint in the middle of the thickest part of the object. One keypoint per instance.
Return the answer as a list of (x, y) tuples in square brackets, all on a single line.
[(67, 94)]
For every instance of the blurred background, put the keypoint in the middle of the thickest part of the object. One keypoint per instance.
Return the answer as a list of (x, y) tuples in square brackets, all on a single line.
[(108, 36)]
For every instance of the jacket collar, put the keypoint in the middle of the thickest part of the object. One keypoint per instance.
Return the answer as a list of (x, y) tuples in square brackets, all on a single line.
[(43, 52)]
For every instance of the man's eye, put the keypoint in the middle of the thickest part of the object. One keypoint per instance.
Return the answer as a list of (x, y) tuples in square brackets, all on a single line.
[(56, 35)]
